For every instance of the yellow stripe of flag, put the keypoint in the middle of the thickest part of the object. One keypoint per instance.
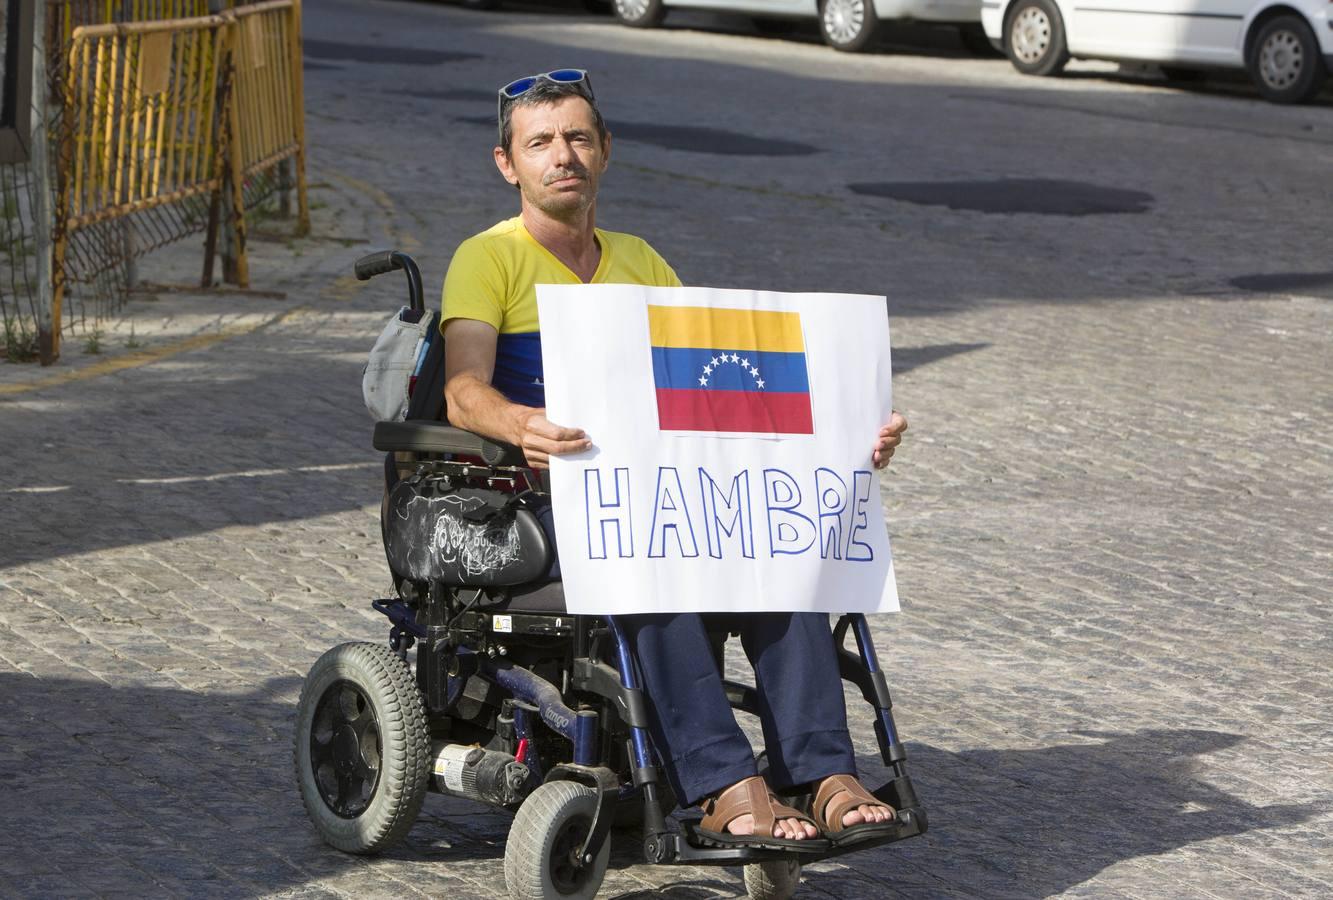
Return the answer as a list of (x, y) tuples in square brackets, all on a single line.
[(725, 329)]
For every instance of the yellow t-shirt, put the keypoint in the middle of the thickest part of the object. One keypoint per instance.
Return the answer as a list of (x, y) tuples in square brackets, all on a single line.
[(493, 278)]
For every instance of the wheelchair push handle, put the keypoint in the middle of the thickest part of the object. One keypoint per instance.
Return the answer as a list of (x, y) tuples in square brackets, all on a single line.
[(367, 267)]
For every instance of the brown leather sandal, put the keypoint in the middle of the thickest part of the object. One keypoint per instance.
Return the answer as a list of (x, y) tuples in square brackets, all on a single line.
[(828, 814), (754, 797)]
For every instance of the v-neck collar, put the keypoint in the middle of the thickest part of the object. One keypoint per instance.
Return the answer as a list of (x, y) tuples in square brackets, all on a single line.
[(603, 264)]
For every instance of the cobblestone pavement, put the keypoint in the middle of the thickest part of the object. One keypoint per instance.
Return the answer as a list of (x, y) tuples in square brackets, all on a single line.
[(1111, 520)]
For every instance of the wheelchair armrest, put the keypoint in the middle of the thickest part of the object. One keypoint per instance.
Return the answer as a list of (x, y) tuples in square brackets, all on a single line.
[(436, 437)]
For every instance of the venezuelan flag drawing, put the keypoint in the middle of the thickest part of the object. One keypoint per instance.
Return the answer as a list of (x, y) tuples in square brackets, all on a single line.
[(729, 370)]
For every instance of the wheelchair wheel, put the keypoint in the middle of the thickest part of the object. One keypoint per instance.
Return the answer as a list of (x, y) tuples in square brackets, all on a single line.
[(362, 747), (774, 880), (547, 832)]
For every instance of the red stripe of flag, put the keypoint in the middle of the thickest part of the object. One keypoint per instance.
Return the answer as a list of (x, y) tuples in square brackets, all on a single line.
[(747, 411)]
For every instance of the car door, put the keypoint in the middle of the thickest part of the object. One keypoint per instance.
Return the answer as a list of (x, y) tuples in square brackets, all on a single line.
[(1123, 29), (1209, 31), (754, 7), (1200, 31)]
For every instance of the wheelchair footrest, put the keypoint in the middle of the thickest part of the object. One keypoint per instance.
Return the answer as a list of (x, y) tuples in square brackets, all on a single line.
[(690, 849), (911, 822)]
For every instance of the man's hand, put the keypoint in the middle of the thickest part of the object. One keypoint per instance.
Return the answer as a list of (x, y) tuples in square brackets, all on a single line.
[(540, 439), (888, 439)]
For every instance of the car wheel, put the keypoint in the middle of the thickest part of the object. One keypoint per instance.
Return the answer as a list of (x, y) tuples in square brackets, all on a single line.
[(1034, 38), (1284, 62), (848, 25), (974, 41), (639, 13)]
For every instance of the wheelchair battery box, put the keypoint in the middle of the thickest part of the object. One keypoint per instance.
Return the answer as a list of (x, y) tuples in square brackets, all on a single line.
[(463, 536)]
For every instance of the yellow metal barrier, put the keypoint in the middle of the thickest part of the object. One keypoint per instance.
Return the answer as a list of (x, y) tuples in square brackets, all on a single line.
[(140, 114), (139, 123), (158, 112), (63, 16), (268, 103)]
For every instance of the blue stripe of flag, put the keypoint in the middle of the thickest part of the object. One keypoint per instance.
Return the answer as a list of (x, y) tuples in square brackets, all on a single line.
[(682, 367)]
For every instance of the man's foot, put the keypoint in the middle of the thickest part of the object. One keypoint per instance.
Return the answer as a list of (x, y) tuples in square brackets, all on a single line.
[(859, 814), (792, 829), (848, 814), (747, 808)]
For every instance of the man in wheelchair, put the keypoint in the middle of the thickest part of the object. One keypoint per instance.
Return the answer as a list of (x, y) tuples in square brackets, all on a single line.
[(554, 147)]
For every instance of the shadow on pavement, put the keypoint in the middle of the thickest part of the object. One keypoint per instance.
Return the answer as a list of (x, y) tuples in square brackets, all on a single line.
[(1037, 822), (114, 787), (187, 479)]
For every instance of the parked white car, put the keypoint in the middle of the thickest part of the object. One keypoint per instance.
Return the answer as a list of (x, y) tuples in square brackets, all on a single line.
[(1287, 45), (845, 24)]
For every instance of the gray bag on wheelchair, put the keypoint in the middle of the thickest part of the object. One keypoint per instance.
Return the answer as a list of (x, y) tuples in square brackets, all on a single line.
[(463, 537), (386, 379)]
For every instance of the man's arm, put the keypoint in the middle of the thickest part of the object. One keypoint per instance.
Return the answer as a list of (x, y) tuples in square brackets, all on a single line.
[(469, 365)]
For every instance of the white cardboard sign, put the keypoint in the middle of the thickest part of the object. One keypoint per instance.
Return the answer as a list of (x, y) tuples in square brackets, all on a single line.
[(732, 433)]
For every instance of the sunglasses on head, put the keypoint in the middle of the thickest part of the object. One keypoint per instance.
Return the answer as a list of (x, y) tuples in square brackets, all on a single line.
[(520, 86)]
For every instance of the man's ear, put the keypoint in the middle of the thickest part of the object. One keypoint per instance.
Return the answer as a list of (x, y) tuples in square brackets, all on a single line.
[(606, 151), (504, 165)]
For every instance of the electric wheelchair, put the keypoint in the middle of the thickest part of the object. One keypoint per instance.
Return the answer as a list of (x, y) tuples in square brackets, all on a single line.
[(488, 689)]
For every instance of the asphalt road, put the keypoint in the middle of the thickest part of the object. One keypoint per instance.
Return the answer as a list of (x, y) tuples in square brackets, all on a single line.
[(1112, 335)]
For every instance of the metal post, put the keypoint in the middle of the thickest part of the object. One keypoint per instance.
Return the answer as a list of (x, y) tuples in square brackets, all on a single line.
[(235, 267), (48, 325), (298, 116), (285, 188)]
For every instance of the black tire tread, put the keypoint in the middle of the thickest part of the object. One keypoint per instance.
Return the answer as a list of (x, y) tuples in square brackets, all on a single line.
[(651, 18), (1057, 56), (525, 850), (771, 880), (403, 726), (865, 38), (1314, 60)]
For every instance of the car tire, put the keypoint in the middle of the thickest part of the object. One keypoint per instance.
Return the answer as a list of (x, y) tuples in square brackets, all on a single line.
[(974, 41), (1285, 62), (848, 25), (479, 4), (639, 13), (1034, 38)]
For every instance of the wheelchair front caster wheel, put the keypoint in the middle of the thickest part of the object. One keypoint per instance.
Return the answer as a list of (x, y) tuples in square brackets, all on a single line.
[(540, 855), (362, 747), (774, 880)]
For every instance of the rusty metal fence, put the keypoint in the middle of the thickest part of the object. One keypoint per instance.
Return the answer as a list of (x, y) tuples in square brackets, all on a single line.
[(267, 122), (162, 126)]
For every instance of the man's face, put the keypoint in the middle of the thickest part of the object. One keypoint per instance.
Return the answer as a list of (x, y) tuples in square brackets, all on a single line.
[(556, 157)]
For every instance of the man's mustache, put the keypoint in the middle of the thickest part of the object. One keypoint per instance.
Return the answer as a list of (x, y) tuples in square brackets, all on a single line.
[(559, 174)]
